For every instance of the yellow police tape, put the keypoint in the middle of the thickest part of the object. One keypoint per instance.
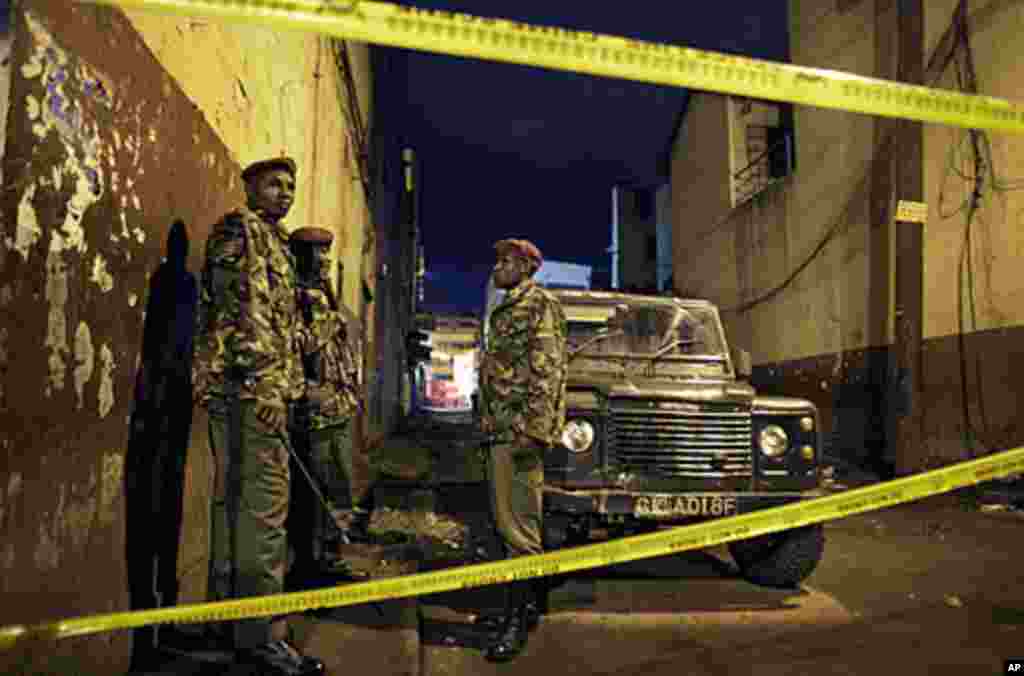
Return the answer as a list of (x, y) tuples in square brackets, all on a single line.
[(664, 542), (560, 49)]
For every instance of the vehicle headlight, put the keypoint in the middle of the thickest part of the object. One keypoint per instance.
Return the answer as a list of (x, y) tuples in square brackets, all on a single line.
[(578, 435), (773, 440)]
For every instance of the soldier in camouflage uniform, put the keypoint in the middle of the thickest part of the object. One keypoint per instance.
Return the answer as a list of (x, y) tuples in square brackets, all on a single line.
[(247, 374), (330, 405), (522, 384)]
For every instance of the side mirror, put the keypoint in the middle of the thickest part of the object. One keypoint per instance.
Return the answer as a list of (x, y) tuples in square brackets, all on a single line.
[(742, 362)]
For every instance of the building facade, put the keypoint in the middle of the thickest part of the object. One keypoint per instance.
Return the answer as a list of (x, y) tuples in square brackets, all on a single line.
[(877, 320)]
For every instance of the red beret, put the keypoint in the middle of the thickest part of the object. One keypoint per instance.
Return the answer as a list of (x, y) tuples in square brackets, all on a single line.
[(256, 168), (520, 247), (311, 235)]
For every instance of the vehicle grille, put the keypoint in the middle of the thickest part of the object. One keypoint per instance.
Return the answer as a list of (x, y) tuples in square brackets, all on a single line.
[(709, 442)]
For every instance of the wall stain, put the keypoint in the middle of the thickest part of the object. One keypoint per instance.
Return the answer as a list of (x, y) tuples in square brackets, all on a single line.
[(28, 231), (3, 368), (100, 275), (110, 491), (51, 524), (84, 360), (106, 394), (81, 512)]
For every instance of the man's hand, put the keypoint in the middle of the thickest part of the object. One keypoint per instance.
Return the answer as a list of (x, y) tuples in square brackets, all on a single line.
[(274, 417)]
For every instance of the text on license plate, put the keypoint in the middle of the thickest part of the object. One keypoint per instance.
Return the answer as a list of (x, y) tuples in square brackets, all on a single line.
[(684, 505)]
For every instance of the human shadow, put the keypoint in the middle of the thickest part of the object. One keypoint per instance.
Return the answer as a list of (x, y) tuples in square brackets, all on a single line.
[(158, 440)]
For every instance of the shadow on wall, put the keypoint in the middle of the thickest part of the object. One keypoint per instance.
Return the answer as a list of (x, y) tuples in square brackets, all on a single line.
[(158, 441)]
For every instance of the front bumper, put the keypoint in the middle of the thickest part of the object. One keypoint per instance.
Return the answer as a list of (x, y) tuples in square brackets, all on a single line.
[(665, 507)]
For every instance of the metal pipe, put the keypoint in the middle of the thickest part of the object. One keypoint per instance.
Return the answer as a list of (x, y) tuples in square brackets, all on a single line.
[(615, 236)]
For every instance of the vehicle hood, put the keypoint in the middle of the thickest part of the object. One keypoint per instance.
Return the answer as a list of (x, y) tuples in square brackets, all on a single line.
[(727, 391)]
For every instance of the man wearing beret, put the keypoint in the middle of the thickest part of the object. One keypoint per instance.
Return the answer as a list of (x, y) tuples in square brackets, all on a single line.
[(522, 384), (248, 374), (331, 401)]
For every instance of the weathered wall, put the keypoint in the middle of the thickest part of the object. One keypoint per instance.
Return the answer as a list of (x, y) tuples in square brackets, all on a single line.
[(758, 245), (993, 346), (636, 267), (701, 198), (92, 183), (826, 335), (268, 93), (809, 337), (112, 134)]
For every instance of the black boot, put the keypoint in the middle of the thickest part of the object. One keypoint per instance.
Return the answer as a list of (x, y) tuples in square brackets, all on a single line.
[(511, 638), (495, 622), (359, 526), (280, 658)]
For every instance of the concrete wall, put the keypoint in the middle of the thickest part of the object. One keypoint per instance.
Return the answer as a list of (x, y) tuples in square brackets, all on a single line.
[(734, 256), (268, 93), (995, 363), (636, 268), (114, 132), (700, 195), (826, 334)]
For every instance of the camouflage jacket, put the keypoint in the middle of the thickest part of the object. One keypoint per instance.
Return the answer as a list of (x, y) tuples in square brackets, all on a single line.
[(333, 363), (248, 328), (524, 367)]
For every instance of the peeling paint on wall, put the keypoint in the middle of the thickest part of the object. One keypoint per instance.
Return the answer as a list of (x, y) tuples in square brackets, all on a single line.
[(56, 331), (47, 552), (113, 471), (81, 512), (100, 275), (84, 359), (106, 381), (28, 231), (62, 112)]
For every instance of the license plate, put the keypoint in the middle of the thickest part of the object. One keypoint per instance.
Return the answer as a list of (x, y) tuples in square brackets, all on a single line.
[(656, 506)]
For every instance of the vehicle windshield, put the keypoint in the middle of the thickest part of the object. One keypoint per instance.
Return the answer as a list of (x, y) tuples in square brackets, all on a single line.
[(643, 328)]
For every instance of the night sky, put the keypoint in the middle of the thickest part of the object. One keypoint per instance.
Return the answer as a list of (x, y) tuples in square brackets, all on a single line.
[(514, 151)]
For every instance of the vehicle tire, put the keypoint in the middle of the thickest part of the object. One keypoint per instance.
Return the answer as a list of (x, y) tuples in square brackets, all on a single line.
[(781, 559)]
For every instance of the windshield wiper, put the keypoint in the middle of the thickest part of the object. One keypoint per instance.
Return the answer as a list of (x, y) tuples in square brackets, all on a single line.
[(593, 339), (665, 349)]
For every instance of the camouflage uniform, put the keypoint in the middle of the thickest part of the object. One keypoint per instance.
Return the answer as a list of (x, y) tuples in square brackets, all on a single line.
[(332, 401), (247, 339), (522, 384)]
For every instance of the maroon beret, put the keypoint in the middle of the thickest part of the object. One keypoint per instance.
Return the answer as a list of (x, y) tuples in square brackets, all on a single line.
[(256, 168), (520, 247), (312, 235)]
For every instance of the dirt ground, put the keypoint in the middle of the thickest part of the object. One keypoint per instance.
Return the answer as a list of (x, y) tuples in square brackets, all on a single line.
[(932, 587)]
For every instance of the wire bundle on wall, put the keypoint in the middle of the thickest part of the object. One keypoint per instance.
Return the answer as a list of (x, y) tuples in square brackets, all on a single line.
[(983, 179)]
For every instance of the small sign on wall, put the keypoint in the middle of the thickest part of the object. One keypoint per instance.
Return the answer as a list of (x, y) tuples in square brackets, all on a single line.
[(911, 212)]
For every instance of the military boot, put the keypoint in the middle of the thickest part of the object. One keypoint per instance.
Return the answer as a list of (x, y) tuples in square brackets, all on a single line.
[(280, 658), (511, 638), (359, 526)]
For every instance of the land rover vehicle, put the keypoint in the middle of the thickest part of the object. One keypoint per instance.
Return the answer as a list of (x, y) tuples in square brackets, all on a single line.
[(663, 428)]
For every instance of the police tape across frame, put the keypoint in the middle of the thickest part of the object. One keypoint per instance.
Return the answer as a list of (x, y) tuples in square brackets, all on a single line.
[(471, 36), (669, 541)]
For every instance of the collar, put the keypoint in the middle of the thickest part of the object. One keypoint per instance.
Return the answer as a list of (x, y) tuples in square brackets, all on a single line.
[(518, 292), (277, 228)]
